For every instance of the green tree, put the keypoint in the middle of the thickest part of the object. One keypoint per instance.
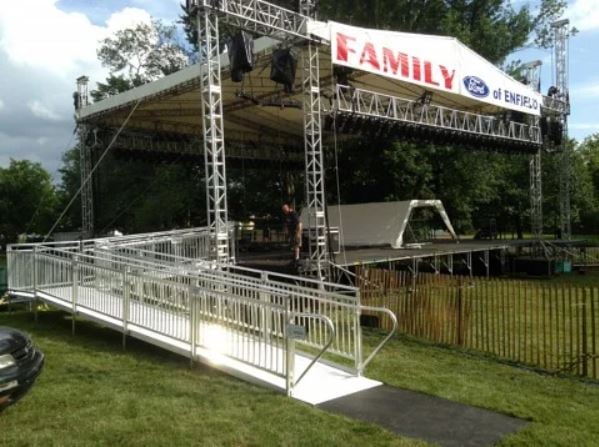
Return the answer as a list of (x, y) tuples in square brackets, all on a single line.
[(139, 55), (28, 199)]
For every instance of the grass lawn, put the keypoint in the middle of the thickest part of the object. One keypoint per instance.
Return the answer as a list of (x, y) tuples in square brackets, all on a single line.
[(93, 393)]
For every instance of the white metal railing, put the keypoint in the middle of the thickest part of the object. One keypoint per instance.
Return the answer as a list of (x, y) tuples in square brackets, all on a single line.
[(377, 105), (239, 313)]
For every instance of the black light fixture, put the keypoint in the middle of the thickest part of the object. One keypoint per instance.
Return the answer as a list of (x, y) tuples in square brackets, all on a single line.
[(426, 98)]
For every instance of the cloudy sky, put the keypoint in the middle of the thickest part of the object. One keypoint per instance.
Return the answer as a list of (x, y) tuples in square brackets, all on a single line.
[(46, 44)]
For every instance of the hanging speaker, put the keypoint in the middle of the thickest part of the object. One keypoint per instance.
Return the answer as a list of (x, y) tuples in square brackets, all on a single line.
[(241, 55), (282, 70)]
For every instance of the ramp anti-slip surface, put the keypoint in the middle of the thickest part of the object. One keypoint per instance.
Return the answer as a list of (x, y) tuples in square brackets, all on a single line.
[(430, 418)]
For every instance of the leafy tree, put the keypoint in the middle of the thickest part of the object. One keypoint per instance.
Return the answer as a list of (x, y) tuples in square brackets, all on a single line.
[(139, 55), (28, 199)]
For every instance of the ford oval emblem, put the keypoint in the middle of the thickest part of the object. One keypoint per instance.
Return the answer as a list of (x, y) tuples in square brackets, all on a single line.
[(476, 86)]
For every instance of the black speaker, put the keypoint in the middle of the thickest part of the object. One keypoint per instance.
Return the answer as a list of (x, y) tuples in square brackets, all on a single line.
[(241, 55), (283, 68)]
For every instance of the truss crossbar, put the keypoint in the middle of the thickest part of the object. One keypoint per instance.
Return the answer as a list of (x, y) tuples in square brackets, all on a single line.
[(555, 105), (87, 197), (536, 196), (380, 106), (259, 17), (237, 151), (213, 131)]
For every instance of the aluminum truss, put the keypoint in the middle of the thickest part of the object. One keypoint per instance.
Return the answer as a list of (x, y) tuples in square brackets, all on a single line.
[(315, 175), (85, 169), (85, 161), (375, 105), (561, 35), (213, 131), (260, 17), (536, 196)]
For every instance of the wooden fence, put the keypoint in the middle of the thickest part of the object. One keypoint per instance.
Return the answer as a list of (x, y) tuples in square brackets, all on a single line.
[(550, 326)]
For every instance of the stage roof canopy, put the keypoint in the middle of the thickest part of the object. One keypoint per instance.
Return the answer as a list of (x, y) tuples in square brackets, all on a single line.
[(259, 111)]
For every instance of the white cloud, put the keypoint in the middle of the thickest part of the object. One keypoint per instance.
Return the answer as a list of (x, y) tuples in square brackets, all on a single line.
[(36, 34), (43, 111), (1, 104), (584, 14), (43, 49)]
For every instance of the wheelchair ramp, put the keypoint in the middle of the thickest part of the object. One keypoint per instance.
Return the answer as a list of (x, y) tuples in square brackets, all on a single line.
[(274, 330), (323, 382)]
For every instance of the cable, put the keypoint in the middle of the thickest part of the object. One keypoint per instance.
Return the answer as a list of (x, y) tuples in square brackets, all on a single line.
[(139, 196), (89, 176), (39, 205), (338, 184)]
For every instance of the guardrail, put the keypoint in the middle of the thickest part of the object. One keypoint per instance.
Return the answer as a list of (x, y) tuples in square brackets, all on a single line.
[(238, 312)]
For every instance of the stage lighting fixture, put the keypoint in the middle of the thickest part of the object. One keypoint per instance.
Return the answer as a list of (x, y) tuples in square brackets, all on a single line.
[(241, 55), (426, 98), (283, 68), (342, 75)]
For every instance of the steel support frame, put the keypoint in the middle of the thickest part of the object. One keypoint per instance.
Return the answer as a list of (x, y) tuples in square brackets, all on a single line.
[(315, 172), (263, 18), (85, 169), (379, 106), (536, 196), (561, 35), (213, 131)]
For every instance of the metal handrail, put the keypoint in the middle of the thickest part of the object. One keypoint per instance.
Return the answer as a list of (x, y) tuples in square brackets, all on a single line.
[(328, 344), (376, 350)]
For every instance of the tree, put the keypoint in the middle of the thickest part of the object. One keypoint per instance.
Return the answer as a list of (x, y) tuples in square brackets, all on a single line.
[(139, 55), (28, 199)]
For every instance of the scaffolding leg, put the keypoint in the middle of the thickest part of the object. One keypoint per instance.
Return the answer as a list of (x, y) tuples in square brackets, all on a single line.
[(213, 127), (536, 196), (315, 185), (87, 196)]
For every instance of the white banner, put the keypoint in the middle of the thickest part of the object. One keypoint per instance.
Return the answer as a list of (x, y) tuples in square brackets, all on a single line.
[(433, 62)]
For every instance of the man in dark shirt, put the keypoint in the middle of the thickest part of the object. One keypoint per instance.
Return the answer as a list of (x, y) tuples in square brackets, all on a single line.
[(293, 228)]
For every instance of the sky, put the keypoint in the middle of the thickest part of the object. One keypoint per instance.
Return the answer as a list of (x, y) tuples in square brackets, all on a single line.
[(46, 44)]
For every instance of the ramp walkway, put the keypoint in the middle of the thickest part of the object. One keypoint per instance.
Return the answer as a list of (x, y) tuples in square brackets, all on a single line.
[(292, 334)]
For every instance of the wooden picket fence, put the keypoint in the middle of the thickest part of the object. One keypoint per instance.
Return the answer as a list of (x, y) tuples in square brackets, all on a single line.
[(554, 327)]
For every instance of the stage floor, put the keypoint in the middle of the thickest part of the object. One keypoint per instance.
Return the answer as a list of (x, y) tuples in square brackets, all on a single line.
[(279, 260)]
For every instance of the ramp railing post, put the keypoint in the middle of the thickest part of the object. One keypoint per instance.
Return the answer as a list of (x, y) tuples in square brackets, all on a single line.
[(35, 268), (265, 298), (289, 350), (358, 336), (126, 298), (193, 327), (74, 290)]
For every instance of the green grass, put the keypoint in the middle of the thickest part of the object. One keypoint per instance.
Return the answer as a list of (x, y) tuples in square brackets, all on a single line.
[(563, 412), (93, 393)]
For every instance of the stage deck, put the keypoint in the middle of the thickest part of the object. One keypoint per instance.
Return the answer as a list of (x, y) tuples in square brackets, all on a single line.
[(375, 255), (280, 260)]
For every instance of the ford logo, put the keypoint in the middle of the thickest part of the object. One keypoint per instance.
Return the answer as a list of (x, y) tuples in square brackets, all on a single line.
[(476, 86)]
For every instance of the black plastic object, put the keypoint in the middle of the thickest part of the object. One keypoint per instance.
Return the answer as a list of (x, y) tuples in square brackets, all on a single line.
[(283, 68), (241, 55)]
